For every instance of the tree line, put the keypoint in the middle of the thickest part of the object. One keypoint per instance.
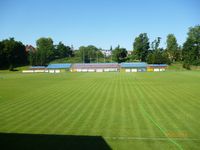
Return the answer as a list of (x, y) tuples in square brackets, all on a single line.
[(46, 51), (14, 53), (188, 53)]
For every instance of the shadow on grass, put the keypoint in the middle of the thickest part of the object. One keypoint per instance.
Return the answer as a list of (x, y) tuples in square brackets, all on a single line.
[(14, 141)]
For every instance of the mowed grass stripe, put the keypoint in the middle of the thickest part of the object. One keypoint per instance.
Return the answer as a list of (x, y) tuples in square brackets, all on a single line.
[(167, 121), (118, 107), (188, 91), (31, 114), (64, 116), (94, 109), (150, 107), (53, 110), (170, 106), (158, 106), (165, 105), (177, 102), (191, 101), (101, 119), (24, 100), (41, 120), (46, 103), (133, 105), (185, 95), (56, 107), (181, 125), (147, 107), (111, 112), (182, 113), (29, 93), (20, 108), (178, 128), (149, 116), (123, 118), (126, 97), (83, 106), (111, 100), (36, 101), (21, 113), (104, 87), (72, 108), (109, 107), (149, 129), (118, 117)]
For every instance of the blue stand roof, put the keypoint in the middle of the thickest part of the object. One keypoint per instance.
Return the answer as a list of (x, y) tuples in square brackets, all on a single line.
[(134, 65), (59, 66)]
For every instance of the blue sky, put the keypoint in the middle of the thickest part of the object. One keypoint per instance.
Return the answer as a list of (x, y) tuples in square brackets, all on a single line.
[(99, 22)]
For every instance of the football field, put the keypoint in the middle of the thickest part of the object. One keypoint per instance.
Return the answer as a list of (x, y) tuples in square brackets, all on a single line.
[(158, 110)]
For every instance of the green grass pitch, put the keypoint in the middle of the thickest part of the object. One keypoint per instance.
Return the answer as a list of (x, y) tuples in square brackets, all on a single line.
[(129, 110)]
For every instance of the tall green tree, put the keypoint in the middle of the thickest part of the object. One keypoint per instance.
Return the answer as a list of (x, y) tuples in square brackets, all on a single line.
[(12, 53), (141, 47), (172, 48), (157, 55), (32, 58), (155, 44), (89, 53), (119, 54), (31, 54), (2, 55), (45, 49), (62, 51), (191, 48)]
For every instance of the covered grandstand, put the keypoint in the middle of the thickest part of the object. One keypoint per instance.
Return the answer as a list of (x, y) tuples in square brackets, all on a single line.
[(134, 67), (35, 69), (98, 67), (156, 67), (95, 67), (57, 68)]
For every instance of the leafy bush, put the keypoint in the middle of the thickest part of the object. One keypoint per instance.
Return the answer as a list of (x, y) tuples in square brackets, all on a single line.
[(186, 65)]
